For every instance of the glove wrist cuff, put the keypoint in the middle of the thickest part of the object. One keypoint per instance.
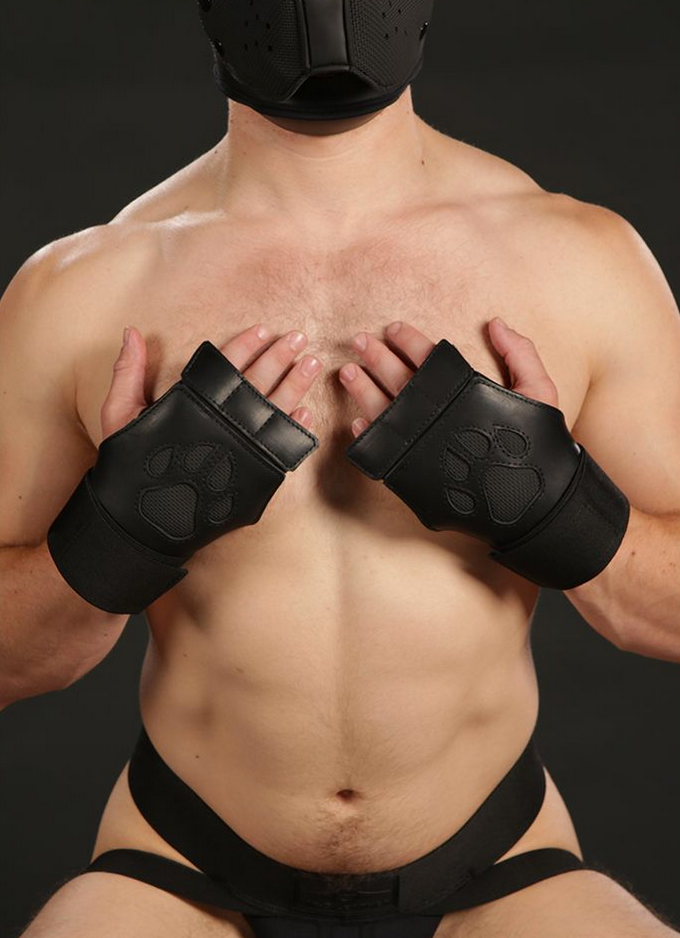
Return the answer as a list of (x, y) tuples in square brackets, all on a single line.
[(102, 563), (578, 538)]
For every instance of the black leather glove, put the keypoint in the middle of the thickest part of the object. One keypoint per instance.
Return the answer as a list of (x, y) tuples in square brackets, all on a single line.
[(204, 459), (466, 454)]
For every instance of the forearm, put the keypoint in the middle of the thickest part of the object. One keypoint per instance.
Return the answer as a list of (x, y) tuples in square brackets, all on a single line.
[(49, 636), (635, 601)]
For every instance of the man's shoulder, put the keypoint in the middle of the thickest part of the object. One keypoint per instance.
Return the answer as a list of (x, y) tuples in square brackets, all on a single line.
[(54, 310), (72, 277), (189, 188), (589, 254), (583, 248), (577, 259), (568, 227), (90, 268), (508, 201)]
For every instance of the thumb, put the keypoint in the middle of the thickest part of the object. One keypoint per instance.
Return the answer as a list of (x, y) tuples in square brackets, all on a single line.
[(126, 396), (527, 372)]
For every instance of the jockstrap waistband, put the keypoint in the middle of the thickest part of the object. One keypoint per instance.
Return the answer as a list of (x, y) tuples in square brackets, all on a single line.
[(458, 874)]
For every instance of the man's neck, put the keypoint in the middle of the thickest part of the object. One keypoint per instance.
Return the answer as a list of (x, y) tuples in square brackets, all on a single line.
[(323, 182)]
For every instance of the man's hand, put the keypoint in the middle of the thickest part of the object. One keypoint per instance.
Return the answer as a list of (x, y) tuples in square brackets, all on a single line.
[(527, 372), (202, 460), (467, 454), (126, 398)]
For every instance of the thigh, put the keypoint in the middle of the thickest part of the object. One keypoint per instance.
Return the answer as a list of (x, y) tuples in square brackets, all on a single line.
[(582, 903), (106, 905)]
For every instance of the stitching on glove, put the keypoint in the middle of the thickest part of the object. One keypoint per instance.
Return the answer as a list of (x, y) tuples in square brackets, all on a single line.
[(419, 429), (274, 409), (196, 398), (471, 459), (143, 415), (155, 556), (412, 385), (205, 496), (499, 442)]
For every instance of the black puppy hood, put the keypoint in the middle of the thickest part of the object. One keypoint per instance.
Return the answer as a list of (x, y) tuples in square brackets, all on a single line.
[(316, 59)]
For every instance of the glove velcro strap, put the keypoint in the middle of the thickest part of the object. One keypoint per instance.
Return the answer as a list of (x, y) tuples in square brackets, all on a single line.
[(102, 563), (579, 536), (439, 379), (215, 379)]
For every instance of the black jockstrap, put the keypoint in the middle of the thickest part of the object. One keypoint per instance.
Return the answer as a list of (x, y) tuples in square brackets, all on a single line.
[(281, 901)]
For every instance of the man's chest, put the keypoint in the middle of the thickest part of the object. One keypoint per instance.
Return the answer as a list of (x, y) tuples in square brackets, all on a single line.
[(444, 290)]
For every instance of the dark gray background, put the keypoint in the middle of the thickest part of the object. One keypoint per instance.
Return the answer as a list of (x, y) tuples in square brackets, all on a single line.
[(101, 101)]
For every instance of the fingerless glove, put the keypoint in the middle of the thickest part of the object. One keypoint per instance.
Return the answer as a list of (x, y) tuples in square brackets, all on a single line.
[(201, 461), (466, 454)]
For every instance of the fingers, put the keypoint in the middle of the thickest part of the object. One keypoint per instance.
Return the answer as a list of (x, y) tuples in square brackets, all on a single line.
[(296, 384), (359, 425), (527, 371), (242, 347), (303, 416), (363, 391), (269, 367), (382, 362), (410, 341), (125, 398), (273, 361), (386, 366)]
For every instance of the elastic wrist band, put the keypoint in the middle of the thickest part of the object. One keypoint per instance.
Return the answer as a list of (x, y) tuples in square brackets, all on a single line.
[(102, 563), (578, 538)]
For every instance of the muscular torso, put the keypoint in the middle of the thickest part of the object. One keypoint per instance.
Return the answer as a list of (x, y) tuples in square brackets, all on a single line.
[(343, 686)]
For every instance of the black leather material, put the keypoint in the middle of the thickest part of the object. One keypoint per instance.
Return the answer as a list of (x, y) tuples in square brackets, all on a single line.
[(201, 461), (466, 454)]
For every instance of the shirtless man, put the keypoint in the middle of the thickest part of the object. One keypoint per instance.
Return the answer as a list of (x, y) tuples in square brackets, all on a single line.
[(342, 685)]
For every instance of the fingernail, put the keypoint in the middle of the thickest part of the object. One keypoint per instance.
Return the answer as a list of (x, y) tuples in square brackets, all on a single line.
[(359, 425), (348, 372), (263, 332), (502, 322), (360, 341), (126, 336), (310, 366), (393, 328), (296, 340)]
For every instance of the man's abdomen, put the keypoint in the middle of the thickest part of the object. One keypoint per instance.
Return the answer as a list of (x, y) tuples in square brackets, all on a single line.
[(344, 696)]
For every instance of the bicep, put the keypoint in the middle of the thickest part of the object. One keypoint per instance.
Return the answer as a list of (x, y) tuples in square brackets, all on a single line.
[(43, 450), (629, 421)]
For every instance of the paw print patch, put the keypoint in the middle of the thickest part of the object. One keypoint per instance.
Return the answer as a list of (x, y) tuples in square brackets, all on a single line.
[(196, 479), (487, 466)]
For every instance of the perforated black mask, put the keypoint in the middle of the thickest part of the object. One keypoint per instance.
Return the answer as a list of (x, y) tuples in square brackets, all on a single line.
[(316, 59)]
